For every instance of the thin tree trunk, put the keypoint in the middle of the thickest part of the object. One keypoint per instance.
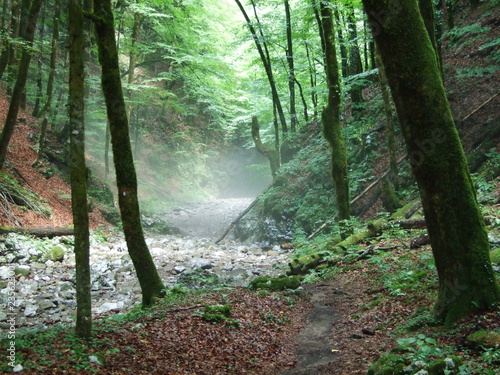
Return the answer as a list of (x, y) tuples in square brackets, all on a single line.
[(22, 76), (267, 66), (355, 66), (391, 138), (312, 78), (269, 153), (429, 16), (456, 228), (106, 150), (78, 169), (126, 178), (4, 22), (331, 117), (7, 50), (291, 68), (39, 82), (343, 48), (50, 82)]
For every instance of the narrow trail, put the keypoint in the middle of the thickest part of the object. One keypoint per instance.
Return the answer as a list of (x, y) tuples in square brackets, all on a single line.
[(315, 340)]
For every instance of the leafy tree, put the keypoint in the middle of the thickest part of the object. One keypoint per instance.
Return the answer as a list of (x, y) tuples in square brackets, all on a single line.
[(455, 224), (151, 284)]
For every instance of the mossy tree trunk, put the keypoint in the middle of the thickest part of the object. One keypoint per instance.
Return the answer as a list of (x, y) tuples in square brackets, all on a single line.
[(455, 225), (22, 76), (331, 116), (429, 16), (151, 284), (79, 170)]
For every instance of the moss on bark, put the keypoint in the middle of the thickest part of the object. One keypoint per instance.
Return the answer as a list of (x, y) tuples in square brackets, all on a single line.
[(456, 228), (151, 284), (331, 117)]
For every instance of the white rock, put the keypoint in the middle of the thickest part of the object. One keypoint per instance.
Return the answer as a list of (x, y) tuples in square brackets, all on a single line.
[(6, 272), (17, 368), (30, 310)]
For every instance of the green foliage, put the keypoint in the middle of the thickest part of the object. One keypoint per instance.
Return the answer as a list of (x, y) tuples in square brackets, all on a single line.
[(404, 273), (219, 314), (459, 33), (477, 71)]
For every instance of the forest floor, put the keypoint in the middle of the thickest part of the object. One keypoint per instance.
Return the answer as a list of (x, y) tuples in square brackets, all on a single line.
[(339, 323)]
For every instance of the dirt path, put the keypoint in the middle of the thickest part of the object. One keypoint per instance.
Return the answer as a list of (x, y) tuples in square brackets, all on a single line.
[(315, 340)]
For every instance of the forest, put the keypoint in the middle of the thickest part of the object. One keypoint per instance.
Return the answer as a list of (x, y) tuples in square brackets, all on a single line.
[(250, 187)]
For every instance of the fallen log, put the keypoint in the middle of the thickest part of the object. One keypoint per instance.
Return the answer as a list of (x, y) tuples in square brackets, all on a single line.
[(48, 232)]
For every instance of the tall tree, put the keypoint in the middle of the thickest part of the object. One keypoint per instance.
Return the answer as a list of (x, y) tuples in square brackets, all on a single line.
[(266, 61), (291, 68), (50, 82), (355, 65), (22, 76), (79, 170), (456, 228), (331, 115), (126, 178)]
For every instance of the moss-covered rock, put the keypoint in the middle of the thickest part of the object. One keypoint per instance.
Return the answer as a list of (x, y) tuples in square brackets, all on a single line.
[(447, 365), (275, 283), (56, 253), (495, 256), (22, 270), (388, 364), (487, 339)]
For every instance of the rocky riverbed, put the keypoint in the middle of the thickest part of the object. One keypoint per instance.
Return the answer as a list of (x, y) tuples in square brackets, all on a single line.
[(40, 275)]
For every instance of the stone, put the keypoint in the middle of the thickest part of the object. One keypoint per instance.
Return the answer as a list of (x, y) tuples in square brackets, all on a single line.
[(56, 253), (6, 272), (204, 264), (179, 269), (30, 310)]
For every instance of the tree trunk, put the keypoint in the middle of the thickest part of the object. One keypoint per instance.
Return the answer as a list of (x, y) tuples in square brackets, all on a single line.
[(126, 178), (7, 47), (39, 82), (331, 117), (456, 228), (391, 137), (4, 22), (355, 66), (312, 80), (343, 49), (429, 16), (22, 76), (269, 153), (50, 82), (48, 232), (291, 68), (78, 168), (267, 66)]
